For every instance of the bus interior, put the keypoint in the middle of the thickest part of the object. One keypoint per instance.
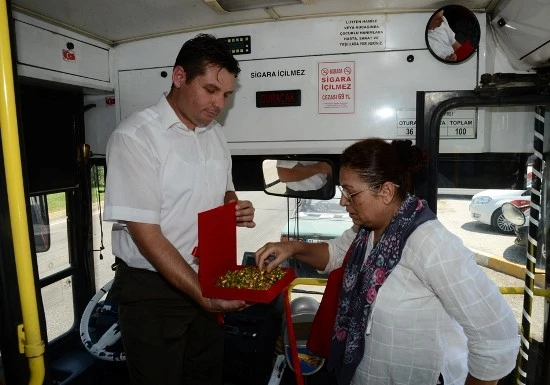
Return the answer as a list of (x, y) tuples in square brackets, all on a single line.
[(316, 76)]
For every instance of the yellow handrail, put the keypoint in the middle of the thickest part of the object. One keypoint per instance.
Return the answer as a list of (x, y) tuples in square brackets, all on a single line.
[(521, 290), (30, 340), (503, 289), (307, 281)]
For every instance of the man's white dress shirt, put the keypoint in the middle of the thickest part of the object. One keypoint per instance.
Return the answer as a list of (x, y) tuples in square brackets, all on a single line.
[(160, 172)]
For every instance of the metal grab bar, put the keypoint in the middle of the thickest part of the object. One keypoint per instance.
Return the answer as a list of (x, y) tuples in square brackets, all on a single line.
[(30, 340)]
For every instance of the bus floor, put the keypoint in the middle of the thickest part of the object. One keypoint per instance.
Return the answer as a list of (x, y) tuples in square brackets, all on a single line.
[(111, 373), (324, 378), (255, 366)]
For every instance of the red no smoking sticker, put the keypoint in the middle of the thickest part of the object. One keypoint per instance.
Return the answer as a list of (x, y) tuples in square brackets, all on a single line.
[(336, 87)]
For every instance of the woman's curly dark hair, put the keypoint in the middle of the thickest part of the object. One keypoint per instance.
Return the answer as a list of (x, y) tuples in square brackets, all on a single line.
[(377, 161)]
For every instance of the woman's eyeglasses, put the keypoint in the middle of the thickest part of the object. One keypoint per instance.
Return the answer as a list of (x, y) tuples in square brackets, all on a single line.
[(349, 196)]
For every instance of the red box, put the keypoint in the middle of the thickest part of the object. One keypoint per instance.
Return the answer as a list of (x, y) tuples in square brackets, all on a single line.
[(217, 253)]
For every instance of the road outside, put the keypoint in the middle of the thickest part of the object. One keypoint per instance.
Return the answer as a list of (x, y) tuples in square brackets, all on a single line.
[(270, 217)]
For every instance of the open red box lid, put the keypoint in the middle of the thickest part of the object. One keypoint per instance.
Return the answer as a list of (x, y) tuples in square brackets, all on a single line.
[(217, 253), (464, 50)]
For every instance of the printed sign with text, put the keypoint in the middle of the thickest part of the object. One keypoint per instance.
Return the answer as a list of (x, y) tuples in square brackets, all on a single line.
[(455, 124), (337, 87)]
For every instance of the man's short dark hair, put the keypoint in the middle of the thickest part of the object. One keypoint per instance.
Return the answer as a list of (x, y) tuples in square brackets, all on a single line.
[(203, 50)]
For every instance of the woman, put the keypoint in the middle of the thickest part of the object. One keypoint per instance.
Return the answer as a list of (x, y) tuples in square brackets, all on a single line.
[(414, 307)]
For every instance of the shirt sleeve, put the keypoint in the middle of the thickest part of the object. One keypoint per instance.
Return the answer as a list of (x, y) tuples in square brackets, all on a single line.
[(229, 186), (132, 190), (286, 163), (337, 249), (450, 32), (449, 269)]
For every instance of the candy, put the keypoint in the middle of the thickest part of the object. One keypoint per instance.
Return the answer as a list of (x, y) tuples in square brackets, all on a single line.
[(250, 278)]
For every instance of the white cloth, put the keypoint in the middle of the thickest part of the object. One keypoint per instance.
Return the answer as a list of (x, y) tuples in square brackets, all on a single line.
[(160, 172), (441, 40), (314, 182), (436, 313)]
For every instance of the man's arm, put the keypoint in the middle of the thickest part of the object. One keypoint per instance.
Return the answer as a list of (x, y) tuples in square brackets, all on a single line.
[(230, 196), (166, 259), (301, 172)]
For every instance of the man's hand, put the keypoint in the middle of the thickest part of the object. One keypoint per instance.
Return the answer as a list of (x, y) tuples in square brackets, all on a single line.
[(245, 214), (244, 211), (451, 57), (223, 305)]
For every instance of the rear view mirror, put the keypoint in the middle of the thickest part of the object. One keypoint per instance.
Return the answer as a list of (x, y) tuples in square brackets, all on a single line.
[(452, 34), (40, 223), (514, 214), (299, 177)]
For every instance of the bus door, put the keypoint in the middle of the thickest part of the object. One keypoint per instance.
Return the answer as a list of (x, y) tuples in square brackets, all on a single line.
[(51, 132), (485, 150)]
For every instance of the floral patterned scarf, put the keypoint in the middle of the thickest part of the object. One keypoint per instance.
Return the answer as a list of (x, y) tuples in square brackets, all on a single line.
[(362, 281)]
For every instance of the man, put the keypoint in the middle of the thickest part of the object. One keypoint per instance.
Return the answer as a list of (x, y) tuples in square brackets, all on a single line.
[(306, 178), (166, 164), (442, 38)]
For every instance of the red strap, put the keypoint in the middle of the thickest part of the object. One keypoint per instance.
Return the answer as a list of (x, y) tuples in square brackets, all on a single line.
[(195, 252), (292, 341), (322, 327)]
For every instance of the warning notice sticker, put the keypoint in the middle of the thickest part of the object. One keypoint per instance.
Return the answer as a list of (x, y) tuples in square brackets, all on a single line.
[(336, 87)]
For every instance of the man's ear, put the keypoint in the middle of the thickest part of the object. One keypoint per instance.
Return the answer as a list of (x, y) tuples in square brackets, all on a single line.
[(178, 76)]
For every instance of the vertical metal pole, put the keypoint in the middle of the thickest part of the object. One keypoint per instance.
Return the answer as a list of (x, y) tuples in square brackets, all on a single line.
[(523, 359), (30, 340), (545, 261)]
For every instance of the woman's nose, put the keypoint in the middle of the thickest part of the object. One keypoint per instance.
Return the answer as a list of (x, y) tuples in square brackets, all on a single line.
[(343, 201)]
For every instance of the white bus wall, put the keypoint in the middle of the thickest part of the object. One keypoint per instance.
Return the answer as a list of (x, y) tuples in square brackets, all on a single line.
[(40, 54), (381, 94), (99, 121)]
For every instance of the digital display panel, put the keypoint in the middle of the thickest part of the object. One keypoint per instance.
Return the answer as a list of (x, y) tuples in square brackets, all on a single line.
[(279, 98), (239, 45)]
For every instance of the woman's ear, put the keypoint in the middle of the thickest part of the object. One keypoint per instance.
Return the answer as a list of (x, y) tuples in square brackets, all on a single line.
[(388, 192)]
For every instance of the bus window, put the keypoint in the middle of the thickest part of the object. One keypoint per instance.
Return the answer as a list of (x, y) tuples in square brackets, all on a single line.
[(57, 297), (40, 223), (55, 257), (58, 307)]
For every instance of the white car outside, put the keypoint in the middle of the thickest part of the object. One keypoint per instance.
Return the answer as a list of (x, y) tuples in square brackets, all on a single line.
[(486, 207)]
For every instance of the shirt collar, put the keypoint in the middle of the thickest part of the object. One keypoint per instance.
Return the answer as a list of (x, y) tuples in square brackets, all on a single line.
[(169, 118)]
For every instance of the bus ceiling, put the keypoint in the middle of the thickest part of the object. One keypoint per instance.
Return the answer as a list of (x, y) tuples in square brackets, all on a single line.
[(133, 20), (515, 22)]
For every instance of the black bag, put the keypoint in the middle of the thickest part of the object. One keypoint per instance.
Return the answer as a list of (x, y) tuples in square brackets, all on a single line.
[(250, 339)]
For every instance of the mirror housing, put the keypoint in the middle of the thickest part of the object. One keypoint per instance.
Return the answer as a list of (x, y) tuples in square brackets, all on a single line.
[(513, 214), (452, 34), (299, 177)]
